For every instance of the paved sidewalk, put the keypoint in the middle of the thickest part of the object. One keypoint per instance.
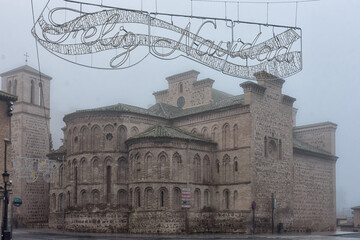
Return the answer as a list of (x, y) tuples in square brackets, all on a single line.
[(48, 234)]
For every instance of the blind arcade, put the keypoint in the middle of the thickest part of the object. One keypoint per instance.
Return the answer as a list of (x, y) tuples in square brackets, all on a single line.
[(120, 38)]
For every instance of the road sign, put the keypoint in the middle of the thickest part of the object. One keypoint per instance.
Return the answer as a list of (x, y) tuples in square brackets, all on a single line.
[(185, 197), (17, 202)]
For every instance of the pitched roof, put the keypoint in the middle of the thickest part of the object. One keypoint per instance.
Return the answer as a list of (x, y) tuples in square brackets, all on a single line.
[(168, 111), (307, 147), (161, 131), (24, 68)]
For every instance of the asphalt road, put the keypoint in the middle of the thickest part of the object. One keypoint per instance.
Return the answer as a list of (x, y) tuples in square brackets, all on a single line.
[(40, 234)]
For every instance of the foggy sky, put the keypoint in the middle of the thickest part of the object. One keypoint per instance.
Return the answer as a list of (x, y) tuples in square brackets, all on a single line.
[(327, 89)]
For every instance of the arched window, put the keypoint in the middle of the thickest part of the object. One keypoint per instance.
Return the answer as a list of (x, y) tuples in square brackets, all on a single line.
[(108, 184), (148, 165), (53, 202), (197, 199), (163, 197), (226, 199), (68, 200), (197, 168), (217, 167), (235, 135), (15, 87), (204, 132), (226, 168), (134, 131), (96, 138), (207, 198), (236, 167), (177, 166), (163, 166), (122, 136), (122, 198), (95, 170), (61, 202), (9, 87), (83, 170), (137, 173), (225, 136), (32, 92), (83, 197), (272, 149), (194, 131), (235, 199), (180, 87), (207, 169), (95, 197), (61, 176), (177, 198), (149, 198), (122, 170), (84, 138), (214, 133), (41, 99), (137, 197)]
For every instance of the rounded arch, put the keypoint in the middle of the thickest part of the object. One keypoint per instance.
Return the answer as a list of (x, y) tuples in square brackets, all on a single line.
[(53, 202), (226, 168)]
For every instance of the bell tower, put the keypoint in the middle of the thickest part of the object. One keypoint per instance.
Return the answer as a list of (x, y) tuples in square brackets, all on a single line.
[(30, 142)]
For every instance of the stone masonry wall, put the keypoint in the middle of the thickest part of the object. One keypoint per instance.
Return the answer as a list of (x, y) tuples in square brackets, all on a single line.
[(272, 160), (314, 194)]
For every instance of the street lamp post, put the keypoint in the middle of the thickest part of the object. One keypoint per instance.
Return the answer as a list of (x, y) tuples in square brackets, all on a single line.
[(4, 231)]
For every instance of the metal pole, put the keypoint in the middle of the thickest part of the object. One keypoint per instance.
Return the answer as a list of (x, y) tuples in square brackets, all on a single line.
[(6, 177), (63, 196)]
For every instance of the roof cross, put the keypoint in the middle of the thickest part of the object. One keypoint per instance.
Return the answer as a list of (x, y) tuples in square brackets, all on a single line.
[(26, 57)]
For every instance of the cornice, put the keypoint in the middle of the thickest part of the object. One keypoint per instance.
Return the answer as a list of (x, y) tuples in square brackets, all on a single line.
[(183, 76), (253, 87)]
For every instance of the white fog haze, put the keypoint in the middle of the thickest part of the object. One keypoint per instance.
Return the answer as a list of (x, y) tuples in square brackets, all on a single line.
[(327, 89)]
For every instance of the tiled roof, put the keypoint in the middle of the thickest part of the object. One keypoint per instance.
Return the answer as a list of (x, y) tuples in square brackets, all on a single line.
[(167, 131), (120, 107), (356, 208), (59, 152), (164, 110), (167, 111), (25, 68), (307, 147)]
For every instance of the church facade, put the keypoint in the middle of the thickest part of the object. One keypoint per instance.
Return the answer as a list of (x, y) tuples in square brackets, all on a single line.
[(196, 161)]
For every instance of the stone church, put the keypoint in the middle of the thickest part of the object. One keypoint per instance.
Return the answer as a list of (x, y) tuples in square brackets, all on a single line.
[(196, 161), (30, 143)]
